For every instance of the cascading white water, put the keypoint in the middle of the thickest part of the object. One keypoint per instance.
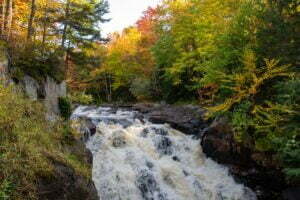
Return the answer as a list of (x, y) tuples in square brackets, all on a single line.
[(134, 159)]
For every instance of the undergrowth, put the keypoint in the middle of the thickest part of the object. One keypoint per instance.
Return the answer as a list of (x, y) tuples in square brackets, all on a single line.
[(28, 143)]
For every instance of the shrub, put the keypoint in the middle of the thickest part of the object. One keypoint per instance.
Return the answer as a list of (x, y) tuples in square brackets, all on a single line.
[(141, 88), (290, 154), (64, 105), (262, 103), (81, 98), (39, 61)]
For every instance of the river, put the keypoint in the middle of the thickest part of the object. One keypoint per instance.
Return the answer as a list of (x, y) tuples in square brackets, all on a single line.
[(134, 159)]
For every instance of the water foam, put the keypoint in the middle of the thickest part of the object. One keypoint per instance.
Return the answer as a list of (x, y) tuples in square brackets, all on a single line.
[(135, 159)]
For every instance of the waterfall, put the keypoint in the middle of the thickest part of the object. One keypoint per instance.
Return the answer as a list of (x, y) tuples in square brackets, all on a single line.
[(134, 159)]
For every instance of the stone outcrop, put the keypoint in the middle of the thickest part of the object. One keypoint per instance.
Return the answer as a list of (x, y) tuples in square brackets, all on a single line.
[(254, 169), (48, 90), (31, 87), (187, 119), (85, 126), (65, 183), (53, 91)]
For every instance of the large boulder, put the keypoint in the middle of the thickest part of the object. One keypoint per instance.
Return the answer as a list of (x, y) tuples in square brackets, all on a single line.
[(85, 127), (65, 184), (251, 168), (187, 119)]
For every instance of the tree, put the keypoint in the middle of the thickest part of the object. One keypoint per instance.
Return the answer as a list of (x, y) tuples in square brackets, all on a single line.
[(31, 18)]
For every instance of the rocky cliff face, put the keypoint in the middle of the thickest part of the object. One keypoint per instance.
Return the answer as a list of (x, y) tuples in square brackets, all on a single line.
[(49, 91), (53, 91), (31, 87)]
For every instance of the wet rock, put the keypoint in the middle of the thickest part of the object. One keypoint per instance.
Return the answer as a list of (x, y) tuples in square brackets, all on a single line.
[(65, 184), (218, 142), (187, 119), (155, 130), (164, 146), (168, 179), (77, 147), (149, 187), (159, 131), (175, 158), (123, 122), (249, 194), (85, 126), (185, 173), (119, 139), (248, 167), (291, 193), (150, 165), (145, 132)]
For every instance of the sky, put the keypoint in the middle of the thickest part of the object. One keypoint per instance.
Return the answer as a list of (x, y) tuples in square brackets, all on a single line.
[(124, 13)]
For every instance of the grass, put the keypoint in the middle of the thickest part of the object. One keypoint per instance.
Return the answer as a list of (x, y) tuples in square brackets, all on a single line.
[(27, 142)]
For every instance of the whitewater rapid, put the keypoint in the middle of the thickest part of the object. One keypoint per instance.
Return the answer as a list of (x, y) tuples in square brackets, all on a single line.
[(134, 159)]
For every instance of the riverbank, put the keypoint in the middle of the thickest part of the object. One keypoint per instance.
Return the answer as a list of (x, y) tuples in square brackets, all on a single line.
[(40, 159)]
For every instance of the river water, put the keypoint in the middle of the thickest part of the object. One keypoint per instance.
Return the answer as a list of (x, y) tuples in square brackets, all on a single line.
[(134, 159)]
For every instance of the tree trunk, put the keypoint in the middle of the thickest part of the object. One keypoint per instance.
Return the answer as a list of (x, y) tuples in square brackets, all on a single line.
[(10, 17), (3, 17), (30, 22), (67, 59), (110, 89), (44, 34), (64, 36)]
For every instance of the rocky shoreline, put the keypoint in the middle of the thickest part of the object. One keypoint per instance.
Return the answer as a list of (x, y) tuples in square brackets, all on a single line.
[(65, 183)]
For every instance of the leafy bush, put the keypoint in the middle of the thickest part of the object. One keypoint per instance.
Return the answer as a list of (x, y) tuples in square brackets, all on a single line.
[(6, 188), (141, 88), (290, 154), (26, 143), (39, 62), (64, 105), (81, 98), (263, 119)]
